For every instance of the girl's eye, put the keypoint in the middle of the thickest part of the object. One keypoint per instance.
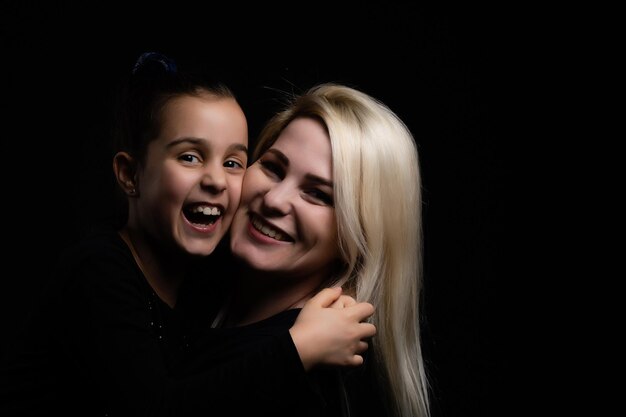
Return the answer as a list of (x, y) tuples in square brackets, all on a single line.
[(320, 196), (189, 158), (233, 164)]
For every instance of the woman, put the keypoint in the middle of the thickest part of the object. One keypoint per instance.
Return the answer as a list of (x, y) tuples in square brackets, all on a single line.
[(333, 198)]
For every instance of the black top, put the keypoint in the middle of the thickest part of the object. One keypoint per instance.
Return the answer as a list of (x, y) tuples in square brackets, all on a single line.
[(102, 343), (334, 391)]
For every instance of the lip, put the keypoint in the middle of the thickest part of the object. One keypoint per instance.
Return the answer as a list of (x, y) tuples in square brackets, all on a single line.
[(260, 237), (198, 228), (203, 229), (205, 203)]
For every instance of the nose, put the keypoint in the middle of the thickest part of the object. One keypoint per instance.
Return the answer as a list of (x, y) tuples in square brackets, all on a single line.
[(277, 199), (214, 178)]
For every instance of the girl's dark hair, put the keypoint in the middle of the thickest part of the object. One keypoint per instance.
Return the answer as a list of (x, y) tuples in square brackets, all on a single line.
[(155, 80)]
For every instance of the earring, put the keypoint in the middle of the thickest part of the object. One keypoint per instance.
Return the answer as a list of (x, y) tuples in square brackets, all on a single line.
[(132, 191)]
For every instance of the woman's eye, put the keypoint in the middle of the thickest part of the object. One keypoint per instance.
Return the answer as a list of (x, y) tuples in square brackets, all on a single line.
[(272, 168), (320, 196)]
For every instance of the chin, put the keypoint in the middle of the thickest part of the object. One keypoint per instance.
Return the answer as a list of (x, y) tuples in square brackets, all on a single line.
[(261, 266), (258, 262), (201, 249)]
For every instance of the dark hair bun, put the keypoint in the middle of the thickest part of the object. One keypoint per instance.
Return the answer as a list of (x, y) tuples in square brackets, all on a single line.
[(154, 64)]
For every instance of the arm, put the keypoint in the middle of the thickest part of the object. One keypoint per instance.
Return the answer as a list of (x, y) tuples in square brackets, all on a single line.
[(263, 365), (107, 331)]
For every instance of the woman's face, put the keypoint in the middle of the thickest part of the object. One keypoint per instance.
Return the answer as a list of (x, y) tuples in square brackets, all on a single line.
[(286, 222)]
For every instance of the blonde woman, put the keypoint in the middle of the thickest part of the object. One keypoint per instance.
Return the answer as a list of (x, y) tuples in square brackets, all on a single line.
[(333, 198)]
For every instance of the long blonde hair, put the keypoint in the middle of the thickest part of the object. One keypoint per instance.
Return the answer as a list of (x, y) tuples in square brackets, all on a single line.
[(377, 198)]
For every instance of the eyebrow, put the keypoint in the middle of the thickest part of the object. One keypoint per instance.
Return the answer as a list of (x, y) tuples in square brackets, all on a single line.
[(285, 161), (278, 154), (199, 141), (319, 180), (238, 147)]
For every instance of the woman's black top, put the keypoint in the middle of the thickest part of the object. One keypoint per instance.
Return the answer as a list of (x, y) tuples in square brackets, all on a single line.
[(332, 391)]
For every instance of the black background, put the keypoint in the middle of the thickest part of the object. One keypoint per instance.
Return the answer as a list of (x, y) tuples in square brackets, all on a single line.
[(434, 68)]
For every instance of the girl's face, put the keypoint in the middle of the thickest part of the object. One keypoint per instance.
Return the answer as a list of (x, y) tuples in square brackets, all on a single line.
[(286, 221), (190, 185)]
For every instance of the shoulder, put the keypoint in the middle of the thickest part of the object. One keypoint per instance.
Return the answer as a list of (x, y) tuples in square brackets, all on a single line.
[(103, 243), (98, 259), (105, 247), (274, 324)]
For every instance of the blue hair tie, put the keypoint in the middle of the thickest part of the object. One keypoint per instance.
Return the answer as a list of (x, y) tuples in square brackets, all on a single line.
[(147, 57)]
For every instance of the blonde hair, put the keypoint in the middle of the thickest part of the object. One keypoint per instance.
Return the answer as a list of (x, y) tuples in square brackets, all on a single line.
[(377, 198)]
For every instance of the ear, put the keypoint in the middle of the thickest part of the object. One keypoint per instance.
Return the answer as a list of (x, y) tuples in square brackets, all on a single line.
[(125, 169)]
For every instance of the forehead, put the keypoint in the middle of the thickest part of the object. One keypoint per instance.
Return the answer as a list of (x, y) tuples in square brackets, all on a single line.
[(185, 108), (205, 117), (305, 139)]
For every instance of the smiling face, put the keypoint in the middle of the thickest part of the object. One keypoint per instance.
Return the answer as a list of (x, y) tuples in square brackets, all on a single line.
[(190, 184), (286, 221)]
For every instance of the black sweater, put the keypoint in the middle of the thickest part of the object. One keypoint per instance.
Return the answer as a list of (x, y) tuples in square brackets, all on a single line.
[(331, 392), (102, 343)]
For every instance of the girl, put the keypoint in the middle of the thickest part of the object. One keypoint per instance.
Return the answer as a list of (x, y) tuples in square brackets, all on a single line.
[(123, 305)]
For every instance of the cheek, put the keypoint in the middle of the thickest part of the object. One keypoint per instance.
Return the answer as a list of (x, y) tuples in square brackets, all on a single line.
[(234, 193), (254, 183), (153, 185), (330, 237), (171, 186), (173, 183), (323, 230)]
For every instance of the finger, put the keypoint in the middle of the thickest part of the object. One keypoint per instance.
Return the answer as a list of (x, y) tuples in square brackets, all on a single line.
[(338, 304), (367, 330), (362, 347), (343, 301), (325, 297), (361, 311), (347, 300), (356, 360)]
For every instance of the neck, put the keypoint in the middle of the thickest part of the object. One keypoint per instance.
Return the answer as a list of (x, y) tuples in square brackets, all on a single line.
[(258, 296), (161, 270)]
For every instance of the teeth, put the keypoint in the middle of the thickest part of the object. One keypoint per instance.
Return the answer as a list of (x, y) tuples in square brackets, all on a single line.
[(211, 211), (266, 230), (207, 211)]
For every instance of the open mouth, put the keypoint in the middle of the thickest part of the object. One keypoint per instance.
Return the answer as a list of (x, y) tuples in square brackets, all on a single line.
[(202, 214), (269, 230)]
